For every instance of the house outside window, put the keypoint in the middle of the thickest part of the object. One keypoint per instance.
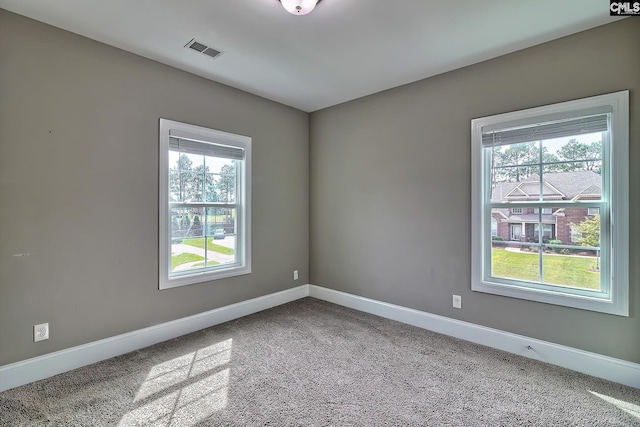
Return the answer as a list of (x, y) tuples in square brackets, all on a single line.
[(565, 167), (545, 211), (576, 235), (204, 204)]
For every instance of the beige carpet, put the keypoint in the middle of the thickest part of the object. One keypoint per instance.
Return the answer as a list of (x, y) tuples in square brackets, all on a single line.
[(312, 363)]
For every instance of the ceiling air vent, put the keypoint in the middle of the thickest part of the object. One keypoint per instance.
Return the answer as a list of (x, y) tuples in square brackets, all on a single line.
[(203, 48)]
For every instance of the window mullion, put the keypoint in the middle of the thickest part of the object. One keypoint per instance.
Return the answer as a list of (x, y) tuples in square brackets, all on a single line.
[(541, 199)]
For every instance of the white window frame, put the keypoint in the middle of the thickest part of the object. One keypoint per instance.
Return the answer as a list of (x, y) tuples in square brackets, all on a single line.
[(614, 206), (170, 128)]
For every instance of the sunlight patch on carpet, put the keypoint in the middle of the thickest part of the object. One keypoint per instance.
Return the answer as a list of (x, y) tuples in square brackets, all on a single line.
[(202, 389), (629, 408)]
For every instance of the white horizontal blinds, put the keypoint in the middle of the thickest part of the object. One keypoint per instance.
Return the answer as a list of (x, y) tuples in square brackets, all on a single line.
[(205, 148), (544, 131)]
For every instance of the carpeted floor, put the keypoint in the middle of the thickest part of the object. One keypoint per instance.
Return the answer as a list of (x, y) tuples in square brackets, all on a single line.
[(312, 363)]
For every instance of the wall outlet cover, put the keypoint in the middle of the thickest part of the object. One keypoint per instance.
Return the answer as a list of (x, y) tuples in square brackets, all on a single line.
[(40, 332), (457, 301)]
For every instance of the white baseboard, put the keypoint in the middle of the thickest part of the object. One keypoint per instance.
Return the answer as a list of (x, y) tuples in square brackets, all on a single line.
[(594, 364), (37, 368), (45, 366)]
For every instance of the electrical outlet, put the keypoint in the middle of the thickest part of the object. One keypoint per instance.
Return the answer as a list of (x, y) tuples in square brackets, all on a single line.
[(40, 332), (295, 274), (457, 301)]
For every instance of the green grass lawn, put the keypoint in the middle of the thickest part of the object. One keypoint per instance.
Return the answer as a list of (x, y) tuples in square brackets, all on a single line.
[(556, 269), (184, 258), (198, 242)]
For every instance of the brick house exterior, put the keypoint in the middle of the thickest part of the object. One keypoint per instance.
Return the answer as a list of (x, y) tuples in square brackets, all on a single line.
[(521, 224)]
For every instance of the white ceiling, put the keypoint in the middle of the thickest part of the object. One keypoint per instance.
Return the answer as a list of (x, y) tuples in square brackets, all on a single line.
[(342, 50)]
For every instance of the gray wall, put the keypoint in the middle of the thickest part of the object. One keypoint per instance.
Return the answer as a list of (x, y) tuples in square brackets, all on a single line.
[(79, 188), (390, 186)]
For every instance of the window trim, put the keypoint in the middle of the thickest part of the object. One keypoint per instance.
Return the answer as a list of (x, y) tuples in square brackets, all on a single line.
[(170, 128), (617, 169)]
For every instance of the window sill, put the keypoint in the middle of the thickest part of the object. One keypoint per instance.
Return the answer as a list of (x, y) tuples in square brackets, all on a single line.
[(601, 305), (205, 276)]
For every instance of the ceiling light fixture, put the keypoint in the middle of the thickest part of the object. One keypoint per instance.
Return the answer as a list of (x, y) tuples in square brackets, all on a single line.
[(299, 7)]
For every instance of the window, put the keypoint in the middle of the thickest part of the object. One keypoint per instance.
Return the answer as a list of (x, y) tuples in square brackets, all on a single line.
[(516, 211), (205, 196), (569, 158), (494, 226), (576, 235), (547, 232)]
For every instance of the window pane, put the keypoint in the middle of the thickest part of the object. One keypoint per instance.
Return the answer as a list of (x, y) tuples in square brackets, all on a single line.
[(571, 185), (194, 178), (186, 222), (515, 249), (175, 194), (197, 180), (210, 193), (579, 264), (187, 255), (222, 250), (514, 174), (575, 153), (189, 186), (569, 244), (226, 181), (221, 235), (575, 165), (515, 261), (199, 241), (510, 190), (507, 165), (186, 237), (220, 219)]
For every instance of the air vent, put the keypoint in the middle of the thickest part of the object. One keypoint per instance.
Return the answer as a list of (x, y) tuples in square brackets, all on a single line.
[(203, 48)]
